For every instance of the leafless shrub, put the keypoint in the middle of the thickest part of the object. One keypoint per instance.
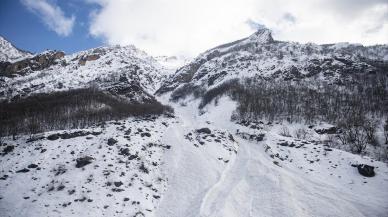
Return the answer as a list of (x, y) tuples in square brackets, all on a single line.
[(301, 133), (370, 127), (284, 131), (386, 130), (353, 133)]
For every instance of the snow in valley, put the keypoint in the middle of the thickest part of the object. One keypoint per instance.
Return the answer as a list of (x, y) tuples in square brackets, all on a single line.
[(187, 165)]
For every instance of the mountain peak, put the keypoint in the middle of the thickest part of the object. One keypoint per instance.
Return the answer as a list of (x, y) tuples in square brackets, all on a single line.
[(262, 35), (8, 52)]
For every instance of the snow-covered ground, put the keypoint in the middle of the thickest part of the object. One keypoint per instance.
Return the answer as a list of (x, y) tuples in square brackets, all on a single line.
[(167, 167), (265, 178)]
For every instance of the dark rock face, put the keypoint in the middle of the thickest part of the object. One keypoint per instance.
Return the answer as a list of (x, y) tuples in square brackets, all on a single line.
[(90, 57), (145, 134), (252, 137), (124, 151), (366, 170), (83, 161), (23, 171), (330, 130), (38, 62), (71, 135), (53, 137), (32, 166), (204, 130), (8, 149), (118, 184)]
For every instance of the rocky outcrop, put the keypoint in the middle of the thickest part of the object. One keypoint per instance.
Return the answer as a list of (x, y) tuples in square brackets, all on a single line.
[(82, 61), (28, 65)]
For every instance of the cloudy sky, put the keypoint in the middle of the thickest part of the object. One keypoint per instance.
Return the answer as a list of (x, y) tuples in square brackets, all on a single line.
[(188, 27)]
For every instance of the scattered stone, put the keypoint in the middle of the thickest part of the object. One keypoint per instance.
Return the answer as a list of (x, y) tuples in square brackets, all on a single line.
[(118, 184), (83, 161), (132, 157), (32, 166), (4, 177), (23, 171), (60, 187), (145, 134), (124, 151), (143, 168), (117, 189), (283, 144)]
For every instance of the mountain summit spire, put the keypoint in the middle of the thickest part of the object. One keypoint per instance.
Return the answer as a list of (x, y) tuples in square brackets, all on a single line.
[(262, 35)]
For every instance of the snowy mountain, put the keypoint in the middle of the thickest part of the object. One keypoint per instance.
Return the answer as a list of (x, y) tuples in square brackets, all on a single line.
[(173, 62), (112, 68), (10, 53), (259, 55), (77, 137)]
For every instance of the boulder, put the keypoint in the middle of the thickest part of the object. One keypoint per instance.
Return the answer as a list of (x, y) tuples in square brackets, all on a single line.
[(23, 170), (366, 170), (83, 161), (124, 151), (8, 149), (53, 137), (329, 130), (204, 130), (145, 134), (111, 141)]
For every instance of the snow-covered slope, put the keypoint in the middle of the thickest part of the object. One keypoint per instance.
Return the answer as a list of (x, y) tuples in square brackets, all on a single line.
[(259, 55), (9, 53), (173, 62), (192, 165), (266, 177)]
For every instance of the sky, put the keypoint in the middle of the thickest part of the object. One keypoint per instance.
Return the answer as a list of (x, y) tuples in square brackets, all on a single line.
[(187, 27)]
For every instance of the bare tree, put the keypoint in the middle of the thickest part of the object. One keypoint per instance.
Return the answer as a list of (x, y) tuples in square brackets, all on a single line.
[(386, 130)]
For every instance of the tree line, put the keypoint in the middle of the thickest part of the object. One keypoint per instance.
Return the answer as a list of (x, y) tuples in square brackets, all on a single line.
[(76, 108)]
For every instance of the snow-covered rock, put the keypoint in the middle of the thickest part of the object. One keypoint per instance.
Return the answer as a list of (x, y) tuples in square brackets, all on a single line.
[(9, 53)]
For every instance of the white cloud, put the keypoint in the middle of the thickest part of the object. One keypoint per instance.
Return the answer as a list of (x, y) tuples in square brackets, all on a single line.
[(51, 15), (192, 26)]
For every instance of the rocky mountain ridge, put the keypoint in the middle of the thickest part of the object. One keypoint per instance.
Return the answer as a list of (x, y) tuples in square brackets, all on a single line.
[(260, 56)]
